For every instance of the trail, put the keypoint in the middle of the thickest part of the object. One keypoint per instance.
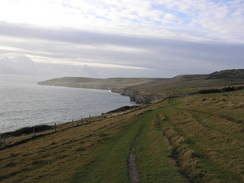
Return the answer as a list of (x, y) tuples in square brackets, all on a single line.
[(134, 175)]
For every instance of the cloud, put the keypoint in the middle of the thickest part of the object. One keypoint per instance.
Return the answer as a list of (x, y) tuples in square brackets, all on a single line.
[(23, 65), (140, 37), (75, 47), (164, 18), (224, 18), (17, 65)]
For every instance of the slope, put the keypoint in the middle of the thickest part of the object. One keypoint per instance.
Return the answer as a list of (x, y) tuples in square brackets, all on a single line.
[(146, 90)]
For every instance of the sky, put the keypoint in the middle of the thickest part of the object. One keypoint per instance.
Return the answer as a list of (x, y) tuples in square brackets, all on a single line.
[(120, 38)]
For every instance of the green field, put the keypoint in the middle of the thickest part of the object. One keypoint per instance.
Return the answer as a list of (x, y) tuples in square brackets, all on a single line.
[(197, 138)]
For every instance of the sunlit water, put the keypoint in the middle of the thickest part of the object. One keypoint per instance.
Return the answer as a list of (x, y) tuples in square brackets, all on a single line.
[(24, 103)]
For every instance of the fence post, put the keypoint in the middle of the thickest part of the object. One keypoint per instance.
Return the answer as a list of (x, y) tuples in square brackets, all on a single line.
[(72, 123), (4, 141), (33, 132), (55, 127), (90, 119)]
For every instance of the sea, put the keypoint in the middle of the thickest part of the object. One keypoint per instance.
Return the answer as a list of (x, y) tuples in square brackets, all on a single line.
[(23, 103)]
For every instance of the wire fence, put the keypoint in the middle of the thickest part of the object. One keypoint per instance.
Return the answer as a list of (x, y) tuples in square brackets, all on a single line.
[(24, 135)]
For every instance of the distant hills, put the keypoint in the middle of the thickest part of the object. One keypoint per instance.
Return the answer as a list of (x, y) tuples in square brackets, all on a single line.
[(228, 74), (145, 90)]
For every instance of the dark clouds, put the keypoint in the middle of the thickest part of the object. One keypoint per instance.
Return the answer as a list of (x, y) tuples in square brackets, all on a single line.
[(159, 57)]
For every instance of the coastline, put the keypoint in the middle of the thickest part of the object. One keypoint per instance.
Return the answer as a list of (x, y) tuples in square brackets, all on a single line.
[(112, 113), (26, 105), (135, 95), (167, 135), (44, 127), (25, 129), (147, 90), (25, 134)]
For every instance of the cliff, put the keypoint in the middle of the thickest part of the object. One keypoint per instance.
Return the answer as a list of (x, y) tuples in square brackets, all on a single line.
[(123, 86), (146, 90)]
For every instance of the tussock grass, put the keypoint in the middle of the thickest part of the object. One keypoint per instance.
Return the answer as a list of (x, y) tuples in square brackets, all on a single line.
[(185, 156), (198, 138), (154, 153), (217, 140)]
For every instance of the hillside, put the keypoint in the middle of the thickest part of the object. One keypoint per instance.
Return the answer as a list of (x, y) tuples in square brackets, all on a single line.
[(227, 74), (145, 90), (196, 138)]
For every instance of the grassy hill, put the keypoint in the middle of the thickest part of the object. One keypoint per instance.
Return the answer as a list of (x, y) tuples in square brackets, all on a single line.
[(180, 138), (145, 90), (197, 138)]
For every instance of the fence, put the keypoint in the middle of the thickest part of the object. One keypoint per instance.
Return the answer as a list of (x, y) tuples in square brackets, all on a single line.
[(24, 135)]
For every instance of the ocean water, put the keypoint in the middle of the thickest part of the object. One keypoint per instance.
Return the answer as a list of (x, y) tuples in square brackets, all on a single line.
[(24, 103)]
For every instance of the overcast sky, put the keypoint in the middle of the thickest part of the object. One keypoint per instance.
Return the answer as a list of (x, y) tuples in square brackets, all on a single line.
[(120, 38)]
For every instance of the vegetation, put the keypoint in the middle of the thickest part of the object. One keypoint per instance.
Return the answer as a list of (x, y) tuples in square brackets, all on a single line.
[(197, 138), (146, 90), (219, 90), (27, 130)]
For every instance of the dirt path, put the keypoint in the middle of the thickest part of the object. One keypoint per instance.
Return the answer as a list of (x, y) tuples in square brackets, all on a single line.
[(134, 175)]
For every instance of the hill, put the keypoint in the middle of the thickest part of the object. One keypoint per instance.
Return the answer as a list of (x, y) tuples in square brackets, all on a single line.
[(146, 90), (227, 74), (196, 138)]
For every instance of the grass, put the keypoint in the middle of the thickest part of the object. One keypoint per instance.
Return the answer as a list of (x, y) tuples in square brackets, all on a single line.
[(111, 163), (217, 142), (197, 138), (156, 86), (154, 153), (64, 152)]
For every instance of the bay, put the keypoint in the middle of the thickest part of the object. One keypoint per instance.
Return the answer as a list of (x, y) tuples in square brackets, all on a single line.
[(24, 103)]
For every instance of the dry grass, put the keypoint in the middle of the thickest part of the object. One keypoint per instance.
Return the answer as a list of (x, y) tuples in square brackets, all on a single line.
[(154, 154), (57, 156), (204, 140), (189, 165), (214, 133)]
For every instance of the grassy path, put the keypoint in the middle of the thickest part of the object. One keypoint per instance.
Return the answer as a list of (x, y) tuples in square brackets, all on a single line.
[(133, 171), (152, 153), (111, 162), (197, 138)]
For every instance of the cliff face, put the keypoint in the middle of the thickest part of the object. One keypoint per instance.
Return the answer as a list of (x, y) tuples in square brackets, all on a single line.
[(138, 96), (141, 97), (146, 90), (125, 87)]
